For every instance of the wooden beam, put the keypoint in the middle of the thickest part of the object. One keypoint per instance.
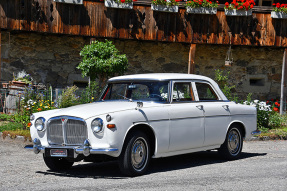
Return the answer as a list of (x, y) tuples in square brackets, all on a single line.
[(191, 64), (283, 84)]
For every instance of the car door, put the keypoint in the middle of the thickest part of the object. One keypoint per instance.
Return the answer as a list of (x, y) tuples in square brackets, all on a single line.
[(186, 118), (216, 113)]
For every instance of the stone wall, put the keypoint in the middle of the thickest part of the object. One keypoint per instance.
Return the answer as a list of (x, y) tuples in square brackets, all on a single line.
[(52, 59)]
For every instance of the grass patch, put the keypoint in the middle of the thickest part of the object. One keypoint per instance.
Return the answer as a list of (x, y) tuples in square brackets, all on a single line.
[(14, 133), (274, 134), (12, 129)]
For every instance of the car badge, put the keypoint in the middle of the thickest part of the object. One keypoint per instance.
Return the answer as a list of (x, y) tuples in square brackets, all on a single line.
[(63, 120)]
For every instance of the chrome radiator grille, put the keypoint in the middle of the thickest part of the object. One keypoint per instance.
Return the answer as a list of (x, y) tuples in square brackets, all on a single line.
[(66, 130)]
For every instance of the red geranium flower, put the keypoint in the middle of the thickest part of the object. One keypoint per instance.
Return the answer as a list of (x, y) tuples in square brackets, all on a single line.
[(278, 5)]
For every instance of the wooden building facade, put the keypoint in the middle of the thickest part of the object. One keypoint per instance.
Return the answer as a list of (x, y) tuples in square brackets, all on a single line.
[(93, 19), (256, 33)]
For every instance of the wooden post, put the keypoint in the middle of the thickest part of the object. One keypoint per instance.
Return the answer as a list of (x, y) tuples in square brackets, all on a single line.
[(283, 84), (0, 55), (191, 65)]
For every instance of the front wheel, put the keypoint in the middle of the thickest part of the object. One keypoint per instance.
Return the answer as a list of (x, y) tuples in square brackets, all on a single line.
[(232, 146), (135, 155), (57, 164)]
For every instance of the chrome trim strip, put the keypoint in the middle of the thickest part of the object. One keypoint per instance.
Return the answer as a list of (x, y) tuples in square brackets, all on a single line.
[(67, 117), (97, 150), (29, 147)]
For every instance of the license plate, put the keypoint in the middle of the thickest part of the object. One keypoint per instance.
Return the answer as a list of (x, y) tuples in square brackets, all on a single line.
[(58, 152)]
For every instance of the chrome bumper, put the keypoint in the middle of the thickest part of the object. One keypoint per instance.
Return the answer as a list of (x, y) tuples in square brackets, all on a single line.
[(86, 149), (256, 132)]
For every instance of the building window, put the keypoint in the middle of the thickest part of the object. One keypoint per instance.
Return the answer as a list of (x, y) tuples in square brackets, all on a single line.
[(256, 82), (265, 3)]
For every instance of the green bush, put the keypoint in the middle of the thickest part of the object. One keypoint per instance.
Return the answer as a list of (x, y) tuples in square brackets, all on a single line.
[(90, 94), (5, 117), (69, 97), (225, 86), (11, 126), (101, 60), (276, 120)]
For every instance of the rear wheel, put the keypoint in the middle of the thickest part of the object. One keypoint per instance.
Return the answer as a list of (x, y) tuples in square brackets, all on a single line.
[(232, 146), (57, 164), (135, 155)]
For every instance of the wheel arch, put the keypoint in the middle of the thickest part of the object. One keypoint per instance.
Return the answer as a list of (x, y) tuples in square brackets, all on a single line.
[(148, 130), (240, 125)]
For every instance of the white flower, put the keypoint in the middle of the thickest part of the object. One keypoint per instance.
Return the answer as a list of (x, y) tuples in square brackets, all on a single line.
[(30, 102), (262, 103), (253, 104), (164, 95)]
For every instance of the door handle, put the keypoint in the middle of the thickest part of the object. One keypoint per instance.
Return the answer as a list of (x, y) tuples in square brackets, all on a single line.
[(200, 107)]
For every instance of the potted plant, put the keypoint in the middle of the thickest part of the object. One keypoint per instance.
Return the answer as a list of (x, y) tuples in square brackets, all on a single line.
[(121, 4), (239, 8), (165, 5), (201, 6), (279, 11)]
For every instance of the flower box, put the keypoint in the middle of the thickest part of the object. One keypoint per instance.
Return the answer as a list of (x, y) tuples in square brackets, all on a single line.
[(114, 4), (164, 8), (80, 2), (234, 12), (19, 84), (278, 15), (201, 10)]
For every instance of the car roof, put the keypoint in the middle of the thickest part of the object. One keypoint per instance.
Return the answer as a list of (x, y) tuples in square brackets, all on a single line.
[(167, 77), (160, 77)]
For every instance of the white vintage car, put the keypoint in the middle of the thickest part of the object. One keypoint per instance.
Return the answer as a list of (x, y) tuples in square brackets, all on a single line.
[(143, 116)]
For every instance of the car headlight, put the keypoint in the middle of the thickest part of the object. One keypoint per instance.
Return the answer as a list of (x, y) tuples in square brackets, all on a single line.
[(97, 125), (40, 124)]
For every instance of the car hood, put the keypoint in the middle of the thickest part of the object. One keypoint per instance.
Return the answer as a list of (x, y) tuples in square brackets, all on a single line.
[(86, 111)]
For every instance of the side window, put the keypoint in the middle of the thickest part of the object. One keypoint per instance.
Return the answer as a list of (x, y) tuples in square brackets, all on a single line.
[(182, 91), (205, 92)]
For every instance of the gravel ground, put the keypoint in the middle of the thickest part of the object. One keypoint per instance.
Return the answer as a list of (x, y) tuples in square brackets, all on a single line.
[(263, 166)]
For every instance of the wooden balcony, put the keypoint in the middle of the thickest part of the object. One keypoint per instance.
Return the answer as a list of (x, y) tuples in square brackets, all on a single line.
[(95, 20)]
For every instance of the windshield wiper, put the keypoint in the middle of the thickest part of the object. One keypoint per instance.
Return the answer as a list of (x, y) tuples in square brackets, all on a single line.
[(125, 97)]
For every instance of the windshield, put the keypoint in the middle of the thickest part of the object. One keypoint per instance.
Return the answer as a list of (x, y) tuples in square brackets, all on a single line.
[(142, 91)]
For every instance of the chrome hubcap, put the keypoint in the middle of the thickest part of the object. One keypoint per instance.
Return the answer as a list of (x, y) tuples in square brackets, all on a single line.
[(234, 141), (139, 154)]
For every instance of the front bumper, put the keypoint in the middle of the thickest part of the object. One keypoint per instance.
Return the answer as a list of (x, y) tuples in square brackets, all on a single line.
[(86, 149)]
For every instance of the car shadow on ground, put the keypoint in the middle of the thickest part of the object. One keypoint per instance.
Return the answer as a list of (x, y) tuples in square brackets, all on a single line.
[(110, 170), (193, 160)]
